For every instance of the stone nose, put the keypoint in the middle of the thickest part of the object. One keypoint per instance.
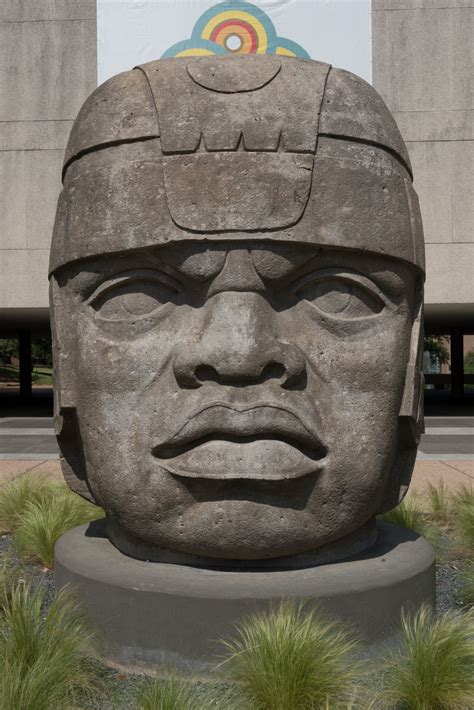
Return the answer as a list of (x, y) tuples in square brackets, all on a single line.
[(239, 347)]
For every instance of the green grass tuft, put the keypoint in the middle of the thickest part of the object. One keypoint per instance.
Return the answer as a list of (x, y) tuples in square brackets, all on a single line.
[(178, 693), (464, 495), (440, 504), (408, 515), (170, 694), (434, 667), (17, 494), (12, 575), (287, 659), (42, 524), (45, 658), (466, 592), (464, 524)]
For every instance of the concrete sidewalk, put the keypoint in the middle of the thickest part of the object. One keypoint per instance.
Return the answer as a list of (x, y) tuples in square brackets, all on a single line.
[(452, 474), (12, 469)]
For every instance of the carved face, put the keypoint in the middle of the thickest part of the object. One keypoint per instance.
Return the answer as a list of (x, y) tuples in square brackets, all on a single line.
[(238, 399)]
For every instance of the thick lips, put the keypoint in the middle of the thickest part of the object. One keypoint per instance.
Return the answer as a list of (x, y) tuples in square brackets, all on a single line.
[(260, 443)]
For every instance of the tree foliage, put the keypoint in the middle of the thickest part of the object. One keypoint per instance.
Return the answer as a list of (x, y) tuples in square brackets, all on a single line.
[(469, 363), (9, 347), (40, 350), (436, 346)]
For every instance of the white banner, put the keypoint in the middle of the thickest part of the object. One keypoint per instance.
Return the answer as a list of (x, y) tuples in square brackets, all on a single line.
[(132, 32)]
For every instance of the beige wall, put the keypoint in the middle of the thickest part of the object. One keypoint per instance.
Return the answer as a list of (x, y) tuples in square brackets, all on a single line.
[(47, 68), (422, 52)]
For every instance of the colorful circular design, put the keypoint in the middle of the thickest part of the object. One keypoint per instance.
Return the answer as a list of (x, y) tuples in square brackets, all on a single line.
[(237, 37), (243, 25), (235, 27)]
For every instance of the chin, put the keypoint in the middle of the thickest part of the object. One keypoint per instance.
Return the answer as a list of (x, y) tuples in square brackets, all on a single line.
[(242, 530)]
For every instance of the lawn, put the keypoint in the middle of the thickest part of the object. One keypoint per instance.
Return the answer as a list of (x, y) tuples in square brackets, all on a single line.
[(40, 375)]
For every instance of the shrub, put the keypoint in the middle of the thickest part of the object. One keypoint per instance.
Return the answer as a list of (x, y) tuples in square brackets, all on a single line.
[(439, 502), (408, 515), (42, 524), (15, 496), (285, 659), (45, 658), (434, 666)]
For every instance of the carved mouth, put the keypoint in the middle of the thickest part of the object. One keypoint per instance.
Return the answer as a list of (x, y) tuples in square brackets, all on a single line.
[(259, 443)]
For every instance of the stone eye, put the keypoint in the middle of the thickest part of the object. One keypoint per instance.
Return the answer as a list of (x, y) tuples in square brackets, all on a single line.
[(341, 298), (132, 298)]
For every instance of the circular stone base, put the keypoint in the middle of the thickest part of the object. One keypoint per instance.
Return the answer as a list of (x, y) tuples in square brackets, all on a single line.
[(153, 613)]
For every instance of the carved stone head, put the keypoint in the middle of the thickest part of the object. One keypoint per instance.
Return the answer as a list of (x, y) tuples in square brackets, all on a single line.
[(236, 287)]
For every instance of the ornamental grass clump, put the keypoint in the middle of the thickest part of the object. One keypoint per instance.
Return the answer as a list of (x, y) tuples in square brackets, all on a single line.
[(464, 495), (42, 524), (408, 515), (433, 668), (17, 494), (463, 517), (46, 658), (175, 693), (440, 504), (12, 575), (287, 659), (170, 694), (466, 591), (464, 523)]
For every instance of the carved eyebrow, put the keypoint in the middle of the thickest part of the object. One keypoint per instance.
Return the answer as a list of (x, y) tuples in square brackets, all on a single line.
[(137, 270), (343, 274), (131, 276), (385, 279)]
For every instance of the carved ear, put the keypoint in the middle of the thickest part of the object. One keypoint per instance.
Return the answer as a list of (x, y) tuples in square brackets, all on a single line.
[(73, 464), (411, 420), (411, 411), (66, 424)]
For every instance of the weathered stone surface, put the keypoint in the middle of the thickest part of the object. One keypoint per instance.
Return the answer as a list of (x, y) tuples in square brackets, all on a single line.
[(278, 109), (121, 109), (352, 109), (236, 282), (229, 195)]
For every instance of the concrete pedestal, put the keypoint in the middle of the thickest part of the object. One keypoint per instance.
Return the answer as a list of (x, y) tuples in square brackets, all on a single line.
[(153, 613)]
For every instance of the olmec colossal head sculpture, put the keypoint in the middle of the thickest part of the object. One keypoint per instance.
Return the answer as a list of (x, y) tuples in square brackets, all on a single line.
[(236, 284)]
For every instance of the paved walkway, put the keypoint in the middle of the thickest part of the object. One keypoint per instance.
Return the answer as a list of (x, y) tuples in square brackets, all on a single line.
[(446, 452), (447, 439)]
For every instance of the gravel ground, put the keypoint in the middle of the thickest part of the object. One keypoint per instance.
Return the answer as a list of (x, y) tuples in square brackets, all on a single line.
[(447, 586), (37, 575), (122, 687)]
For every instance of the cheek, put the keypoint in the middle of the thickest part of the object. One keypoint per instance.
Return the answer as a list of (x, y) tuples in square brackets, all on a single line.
[(365, 357), (115, 363), (356, 382)]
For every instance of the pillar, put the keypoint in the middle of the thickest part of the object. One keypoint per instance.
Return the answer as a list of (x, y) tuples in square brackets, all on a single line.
[(457, 363), (25, 364)]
